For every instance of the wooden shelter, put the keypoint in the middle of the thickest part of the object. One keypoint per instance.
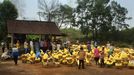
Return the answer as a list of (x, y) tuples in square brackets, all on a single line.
[(31, 27)]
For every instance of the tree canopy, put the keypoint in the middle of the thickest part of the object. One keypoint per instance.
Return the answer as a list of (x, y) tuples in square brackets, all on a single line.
[(52, 10), (7, 12), (100, 17)]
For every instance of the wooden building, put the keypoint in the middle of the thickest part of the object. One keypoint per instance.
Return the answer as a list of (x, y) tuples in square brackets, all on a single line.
[(21, 28)]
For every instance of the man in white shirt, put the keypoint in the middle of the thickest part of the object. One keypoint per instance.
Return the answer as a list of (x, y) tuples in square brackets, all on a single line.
[(31, 45)]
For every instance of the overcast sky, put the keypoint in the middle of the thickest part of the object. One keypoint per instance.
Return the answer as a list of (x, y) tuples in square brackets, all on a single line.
[(31, 8)]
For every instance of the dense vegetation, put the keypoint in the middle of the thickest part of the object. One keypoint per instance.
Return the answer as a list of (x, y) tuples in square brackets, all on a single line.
[(7, 12)]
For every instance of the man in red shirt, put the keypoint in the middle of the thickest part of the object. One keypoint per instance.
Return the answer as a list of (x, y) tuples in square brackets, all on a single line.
[(96, 55)]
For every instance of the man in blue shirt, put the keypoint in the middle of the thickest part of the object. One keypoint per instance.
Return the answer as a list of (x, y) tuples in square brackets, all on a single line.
[(15, 54)]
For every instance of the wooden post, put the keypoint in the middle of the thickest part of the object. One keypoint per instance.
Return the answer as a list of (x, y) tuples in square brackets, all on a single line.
[(40, 37), (54, 38), (12, 39)]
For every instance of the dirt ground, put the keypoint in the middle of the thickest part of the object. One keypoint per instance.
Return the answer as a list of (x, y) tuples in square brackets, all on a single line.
[(8, 68)]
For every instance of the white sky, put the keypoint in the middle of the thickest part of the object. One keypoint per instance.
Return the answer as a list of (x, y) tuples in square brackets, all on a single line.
[(31, 8)]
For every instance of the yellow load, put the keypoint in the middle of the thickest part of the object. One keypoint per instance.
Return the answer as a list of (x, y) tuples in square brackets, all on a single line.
[(108, 62), (118, 64), (87, 60), (31, 52), (84, 46), (70, 60), (45, 56), (131, 64), (33, 56), (42, 52), (37, 60), (123, 55)]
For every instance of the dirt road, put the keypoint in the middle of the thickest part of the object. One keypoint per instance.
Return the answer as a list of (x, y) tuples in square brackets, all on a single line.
[(8, 68)]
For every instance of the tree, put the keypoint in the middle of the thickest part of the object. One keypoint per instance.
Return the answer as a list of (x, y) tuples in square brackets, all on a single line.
[(7, 12), (119, 15), (92, 15), (73, 34), (67, 16), (52, 10), (124, 35), (48, 9), (98, 17)]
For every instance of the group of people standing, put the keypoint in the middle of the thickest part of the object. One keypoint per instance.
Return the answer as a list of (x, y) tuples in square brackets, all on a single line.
[(35, 45), (31, 45), (98, 54), (45, 45)]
